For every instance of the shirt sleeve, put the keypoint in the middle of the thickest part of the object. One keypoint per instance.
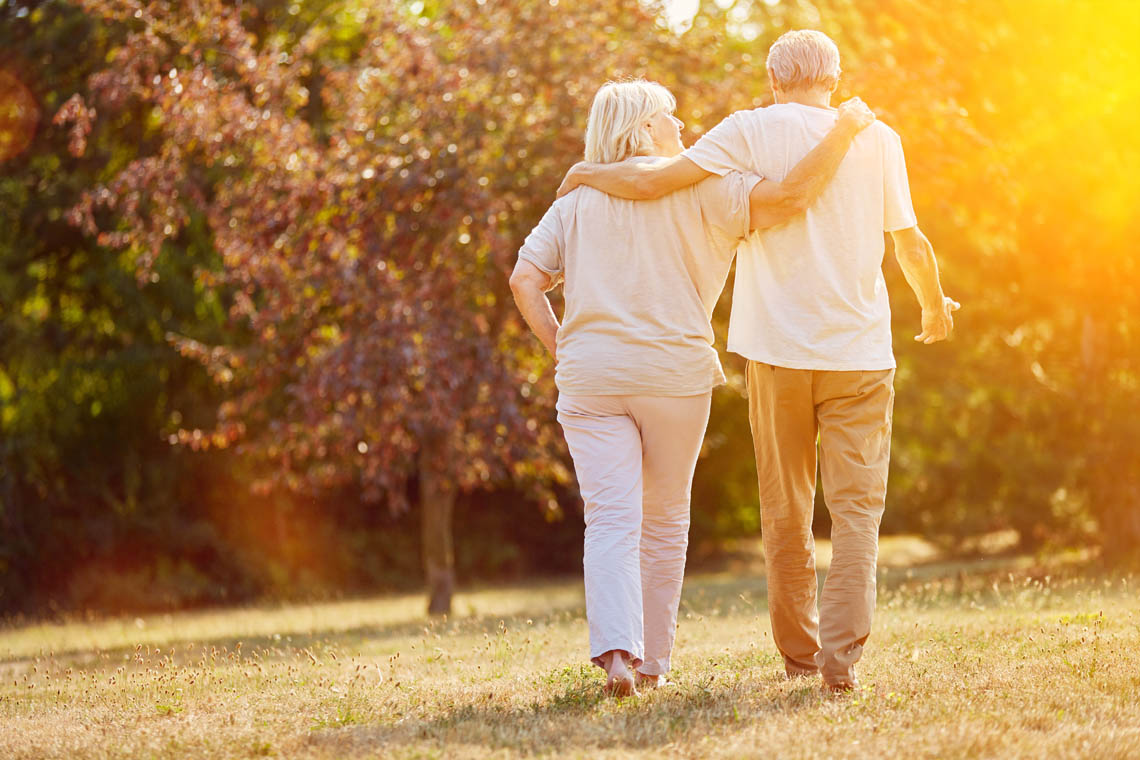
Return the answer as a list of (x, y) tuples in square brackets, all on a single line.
[(545, 245), (725, 206), (898, 211), (722, 149)]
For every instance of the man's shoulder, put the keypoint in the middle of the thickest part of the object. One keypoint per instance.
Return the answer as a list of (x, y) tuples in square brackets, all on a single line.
[(778, 116), (747, 115), (884, 132)]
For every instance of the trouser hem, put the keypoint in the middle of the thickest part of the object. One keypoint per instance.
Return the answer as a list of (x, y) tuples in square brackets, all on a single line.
[(635, 661), (797, 672), (653, 668)]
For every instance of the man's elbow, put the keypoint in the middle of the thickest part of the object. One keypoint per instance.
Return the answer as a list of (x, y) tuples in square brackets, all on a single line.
[(909, 243), (915, 254)]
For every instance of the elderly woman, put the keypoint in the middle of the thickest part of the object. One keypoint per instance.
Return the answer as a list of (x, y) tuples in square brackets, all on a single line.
[(635, 362)]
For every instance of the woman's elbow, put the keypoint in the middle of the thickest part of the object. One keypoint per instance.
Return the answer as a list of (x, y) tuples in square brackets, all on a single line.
[(793, 201), (648, 188), (518, 281), (769, 213), (523, 282)]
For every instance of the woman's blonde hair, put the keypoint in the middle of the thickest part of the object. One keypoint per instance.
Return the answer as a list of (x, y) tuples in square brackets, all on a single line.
[(616, 128)]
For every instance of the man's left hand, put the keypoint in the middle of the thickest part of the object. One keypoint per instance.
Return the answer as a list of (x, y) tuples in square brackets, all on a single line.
[(937, 324)]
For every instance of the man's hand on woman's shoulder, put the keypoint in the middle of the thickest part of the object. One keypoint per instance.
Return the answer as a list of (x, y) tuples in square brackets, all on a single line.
[(573, 178)]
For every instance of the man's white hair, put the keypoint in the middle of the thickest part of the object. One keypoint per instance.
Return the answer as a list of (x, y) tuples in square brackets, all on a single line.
[(803, 59), (616, 128)]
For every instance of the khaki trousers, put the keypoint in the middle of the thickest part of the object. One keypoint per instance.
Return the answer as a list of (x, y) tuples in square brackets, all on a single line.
[(846, 416), (634, 457)]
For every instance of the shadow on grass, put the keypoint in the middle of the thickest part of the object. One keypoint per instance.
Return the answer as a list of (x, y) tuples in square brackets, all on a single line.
[(931, 585), (318, 643), (711, 594), (574, 716), (703, 596)]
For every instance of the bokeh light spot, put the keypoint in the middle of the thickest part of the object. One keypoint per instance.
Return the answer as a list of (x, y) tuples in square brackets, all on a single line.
[(19, 115)]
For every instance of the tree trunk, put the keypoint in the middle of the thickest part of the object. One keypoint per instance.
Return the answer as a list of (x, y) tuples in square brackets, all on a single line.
[(1120, 521), (437, 500)]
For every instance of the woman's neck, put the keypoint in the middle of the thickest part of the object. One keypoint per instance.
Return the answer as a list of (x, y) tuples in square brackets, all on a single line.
[(656, 152)]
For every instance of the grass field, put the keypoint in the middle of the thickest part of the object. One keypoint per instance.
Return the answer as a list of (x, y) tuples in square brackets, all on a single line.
[(1002, 659)]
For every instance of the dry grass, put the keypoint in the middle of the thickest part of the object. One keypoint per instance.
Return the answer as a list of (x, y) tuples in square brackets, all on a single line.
[(966, 661)]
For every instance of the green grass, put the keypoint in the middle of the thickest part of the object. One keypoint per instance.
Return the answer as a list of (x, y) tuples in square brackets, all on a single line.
[(997, 659)]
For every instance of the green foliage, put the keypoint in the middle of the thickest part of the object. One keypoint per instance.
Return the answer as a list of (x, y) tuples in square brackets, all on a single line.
[(87, 383), (1023, 171)]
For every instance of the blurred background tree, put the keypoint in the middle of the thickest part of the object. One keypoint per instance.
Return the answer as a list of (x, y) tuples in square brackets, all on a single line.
[(88, 492), (295, 223), (1016, 126)]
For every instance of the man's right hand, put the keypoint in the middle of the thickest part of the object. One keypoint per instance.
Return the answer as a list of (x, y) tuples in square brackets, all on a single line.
[(937, 324), (572, 179), (855, 115)]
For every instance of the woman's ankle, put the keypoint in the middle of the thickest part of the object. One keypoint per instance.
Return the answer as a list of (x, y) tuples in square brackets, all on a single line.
[(620, 680), (616, 659)]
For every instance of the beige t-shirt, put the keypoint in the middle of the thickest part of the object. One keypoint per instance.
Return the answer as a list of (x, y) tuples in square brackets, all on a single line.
[(810, 293), (641, 280)]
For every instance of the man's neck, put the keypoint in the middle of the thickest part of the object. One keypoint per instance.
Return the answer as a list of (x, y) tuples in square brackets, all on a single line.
[(656, 152), (815, 98)]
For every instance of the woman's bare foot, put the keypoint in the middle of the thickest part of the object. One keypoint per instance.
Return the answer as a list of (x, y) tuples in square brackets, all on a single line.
[(619, 680), (644, 681)]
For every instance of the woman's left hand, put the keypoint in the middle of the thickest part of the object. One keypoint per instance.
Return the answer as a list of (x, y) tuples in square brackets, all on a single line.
[(855, 115)]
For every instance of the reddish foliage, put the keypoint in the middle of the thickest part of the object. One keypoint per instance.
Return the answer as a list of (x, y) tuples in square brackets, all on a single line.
[(365, 229)]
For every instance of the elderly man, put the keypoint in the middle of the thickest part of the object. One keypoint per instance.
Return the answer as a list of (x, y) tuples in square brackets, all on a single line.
[(811, 315)]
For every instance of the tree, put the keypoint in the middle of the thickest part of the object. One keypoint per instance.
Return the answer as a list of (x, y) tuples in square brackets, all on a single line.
[(366, 205), (332, 193), (1023, 172), (86, 378)]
